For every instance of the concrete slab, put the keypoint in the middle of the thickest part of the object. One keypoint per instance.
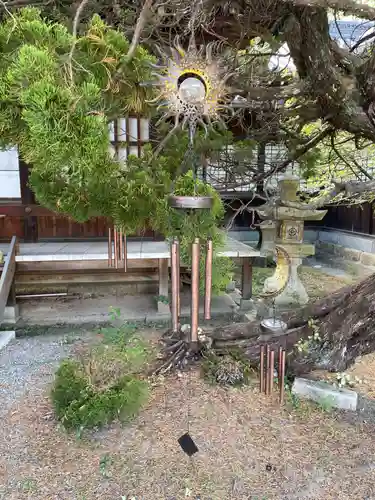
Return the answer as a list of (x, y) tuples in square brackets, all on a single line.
[(76, 251), (83, 310), (322, 392), (6, 337)]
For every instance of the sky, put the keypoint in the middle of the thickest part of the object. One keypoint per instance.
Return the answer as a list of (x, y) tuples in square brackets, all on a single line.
[(346, 31)]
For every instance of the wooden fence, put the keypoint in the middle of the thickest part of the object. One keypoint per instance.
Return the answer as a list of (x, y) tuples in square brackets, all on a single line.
[(355, 218)]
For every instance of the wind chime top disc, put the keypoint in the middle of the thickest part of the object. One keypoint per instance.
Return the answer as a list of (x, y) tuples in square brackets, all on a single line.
[(190, 202)]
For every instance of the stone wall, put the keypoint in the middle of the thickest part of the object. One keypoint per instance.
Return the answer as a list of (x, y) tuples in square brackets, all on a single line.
[(351, 247)]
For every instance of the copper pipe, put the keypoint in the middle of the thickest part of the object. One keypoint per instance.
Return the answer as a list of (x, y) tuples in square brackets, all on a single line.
[(115, 235), (208, 280), (178, 271), (279, 367), (282, 377), (121, 249), (267, 370), (125, 253), (261, 369), (110, 251), (174, 286), (272, 369), (194, 293)]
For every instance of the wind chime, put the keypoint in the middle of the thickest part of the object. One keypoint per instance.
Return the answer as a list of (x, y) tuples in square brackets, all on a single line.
[(192, 91), (117, 249), (189, 204)]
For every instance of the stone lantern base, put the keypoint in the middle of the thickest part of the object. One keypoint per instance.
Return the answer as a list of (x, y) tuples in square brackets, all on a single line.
[(295, 293)]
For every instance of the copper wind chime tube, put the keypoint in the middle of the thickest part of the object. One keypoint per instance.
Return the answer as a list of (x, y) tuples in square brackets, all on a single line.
[(176, 286), (194, 293), (117, 248), (175, 273), (266, 371), (178, 271), (208, 280)]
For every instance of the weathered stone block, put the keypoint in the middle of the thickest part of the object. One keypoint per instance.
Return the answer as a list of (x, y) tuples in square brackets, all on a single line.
[(347, 253), (231, 286), (355, 242), (11, 315), (325, 247), (320, 392), (247, 305), (163, 308), (6, 337), (368, 259)]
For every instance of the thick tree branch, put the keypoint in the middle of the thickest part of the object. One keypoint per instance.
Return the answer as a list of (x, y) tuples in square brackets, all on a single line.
[(81, 6), (347, 163), (141, 21), (357, 8), (311, 47)]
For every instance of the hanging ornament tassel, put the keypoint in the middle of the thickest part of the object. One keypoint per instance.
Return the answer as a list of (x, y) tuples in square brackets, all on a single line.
[(208, 280), (174, 276), (110, 251), (194, 294)]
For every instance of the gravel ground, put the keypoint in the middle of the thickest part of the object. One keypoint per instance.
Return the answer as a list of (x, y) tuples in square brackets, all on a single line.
[(249, 448), (29, 364)]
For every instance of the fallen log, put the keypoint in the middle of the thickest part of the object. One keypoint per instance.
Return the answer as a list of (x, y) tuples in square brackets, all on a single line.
[(345, 322)]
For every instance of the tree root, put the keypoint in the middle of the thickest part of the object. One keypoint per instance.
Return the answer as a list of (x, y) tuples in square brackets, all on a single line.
[(177, 353)]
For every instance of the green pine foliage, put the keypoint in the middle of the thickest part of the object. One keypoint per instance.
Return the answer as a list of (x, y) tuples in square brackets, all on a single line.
[(58, 95)]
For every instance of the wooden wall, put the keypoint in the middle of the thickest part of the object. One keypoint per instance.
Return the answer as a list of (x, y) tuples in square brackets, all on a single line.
[(56, 227), (357, 218)]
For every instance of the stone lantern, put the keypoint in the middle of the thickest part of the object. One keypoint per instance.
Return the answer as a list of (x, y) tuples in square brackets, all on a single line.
[(285, 223)]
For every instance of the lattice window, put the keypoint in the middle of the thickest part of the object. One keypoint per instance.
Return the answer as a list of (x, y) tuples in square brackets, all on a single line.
[(128, 135), (232, 170)]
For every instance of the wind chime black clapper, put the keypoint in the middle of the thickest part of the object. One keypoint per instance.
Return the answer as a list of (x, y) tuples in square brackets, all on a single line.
[(187, 444)]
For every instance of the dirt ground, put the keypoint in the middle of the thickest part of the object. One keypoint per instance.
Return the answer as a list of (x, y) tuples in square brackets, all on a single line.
[(249, 447), (317, 283), (362, 373)]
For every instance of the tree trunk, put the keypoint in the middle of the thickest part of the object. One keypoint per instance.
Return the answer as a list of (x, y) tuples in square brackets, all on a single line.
[(345, 321)]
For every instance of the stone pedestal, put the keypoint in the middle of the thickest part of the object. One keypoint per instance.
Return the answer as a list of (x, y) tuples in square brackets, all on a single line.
[(11, 314), (268, 228), (295, 292)]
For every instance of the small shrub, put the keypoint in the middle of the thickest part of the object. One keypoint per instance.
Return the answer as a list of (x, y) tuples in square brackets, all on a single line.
[(230, 369), (69, 386), (104, 382)]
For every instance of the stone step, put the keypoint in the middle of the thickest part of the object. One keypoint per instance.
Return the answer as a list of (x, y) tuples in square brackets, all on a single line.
[(322, 392), (6, 337)]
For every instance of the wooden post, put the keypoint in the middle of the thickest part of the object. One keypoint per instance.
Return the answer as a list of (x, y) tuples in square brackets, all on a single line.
[(247, 278), (247, 282)]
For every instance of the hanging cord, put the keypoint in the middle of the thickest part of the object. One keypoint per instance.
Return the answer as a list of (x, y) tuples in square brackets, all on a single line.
[(188, 161)]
